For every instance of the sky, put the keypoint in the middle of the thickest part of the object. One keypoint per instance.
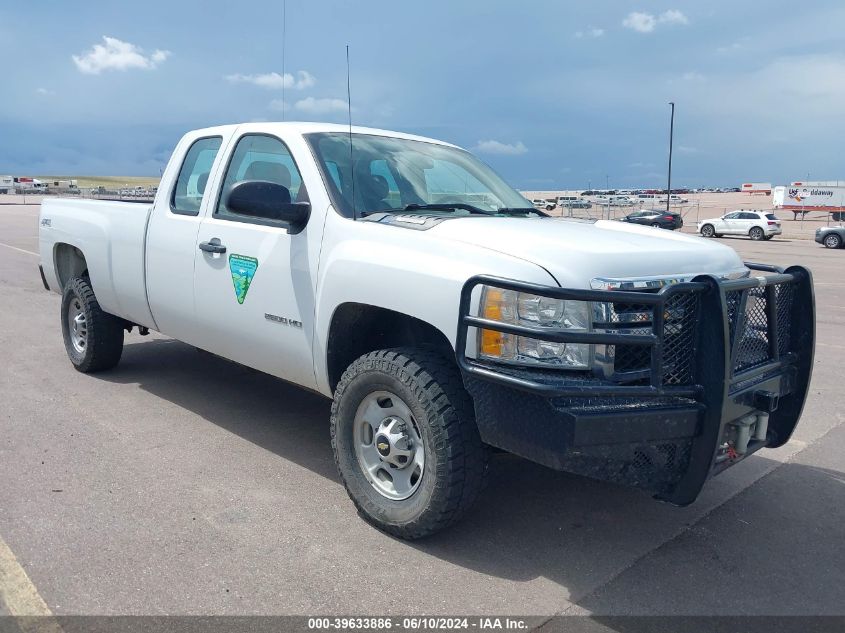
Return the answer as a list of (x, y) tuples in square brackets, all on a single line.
[(552, 94)]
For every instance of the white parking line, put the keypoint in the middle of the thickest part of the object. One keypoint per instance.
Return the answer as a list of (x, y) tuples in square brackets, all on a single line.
[(21, 598), (15, 248)]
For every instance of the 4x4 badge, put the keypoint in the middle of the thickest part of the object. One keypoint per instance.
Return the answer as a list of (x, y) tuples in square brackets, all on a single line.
[(243, 270)]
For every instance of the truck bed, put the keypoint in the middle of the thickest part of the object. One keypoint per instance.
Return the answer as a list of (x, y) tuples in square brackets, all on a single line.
[(112, 235)]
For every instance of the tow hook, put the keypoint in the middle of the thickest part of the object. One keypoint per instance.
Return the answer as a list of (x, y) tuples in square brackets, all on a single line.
[(752, 426)]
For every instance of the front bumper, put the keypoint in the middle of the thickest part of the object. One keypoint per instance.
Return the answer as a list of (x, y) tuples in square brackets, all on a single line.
[(724, 372)]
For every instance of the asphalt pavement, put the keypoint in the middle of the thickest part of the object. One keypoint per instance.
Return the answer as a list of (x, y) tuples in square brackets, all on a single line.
[(181, 483)]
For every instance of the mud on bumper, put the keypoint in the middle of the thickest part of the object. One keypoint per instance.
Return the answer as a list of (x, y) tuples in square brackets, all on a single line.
[(721, 370)]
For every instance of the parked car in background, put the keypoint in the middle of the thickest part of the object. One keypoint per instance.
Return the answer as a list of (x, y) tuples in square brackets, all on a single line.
[(758, 225), (7, 184), (615, 201), (831, 236), (573, 202), (543, 204), (655, 217)]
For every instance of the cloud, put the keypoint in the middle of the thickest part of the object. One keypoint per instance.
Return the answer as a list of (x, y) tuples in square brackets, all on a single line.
[(640, 22), (814, 100), (589, 33), (672, 16), (45, 92), (686, 149), (648, 22), (320, 106), (302, 80), (115, 54), (278, 104), (503, 149), (692, 76)]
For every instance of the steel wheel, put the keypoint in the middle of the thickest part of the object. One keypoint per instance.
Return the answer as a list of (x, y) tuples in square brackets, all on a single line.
[(388, 445), (77, 325)]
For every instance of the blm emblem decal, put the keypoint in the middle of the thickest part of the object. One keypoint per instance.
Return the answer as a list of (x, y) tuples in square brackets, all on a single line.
[(243, 270)]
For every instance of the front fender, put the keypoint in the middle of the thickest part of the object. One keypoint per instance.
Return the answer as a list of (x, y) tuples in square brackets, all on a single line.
[(406, 271)]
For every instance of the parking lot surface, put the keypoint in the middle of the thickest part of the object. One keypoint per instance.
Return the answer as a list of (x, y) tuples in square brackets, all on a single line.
[(181, 483)]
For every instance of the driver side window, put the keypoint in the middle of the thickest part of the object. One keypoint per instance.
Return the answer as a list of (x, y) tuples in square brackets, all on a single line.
[(265, 158)]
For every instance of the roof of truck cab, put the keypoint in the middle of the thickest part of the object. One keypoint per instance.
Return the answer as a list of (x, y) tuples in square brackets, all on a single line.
[(305, 127)]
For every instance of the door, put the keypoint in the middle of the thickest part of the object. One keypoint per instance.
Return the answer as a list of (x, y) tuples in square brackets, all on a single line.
[(730, 224), (748, 220), (254, 296), (172, 237)]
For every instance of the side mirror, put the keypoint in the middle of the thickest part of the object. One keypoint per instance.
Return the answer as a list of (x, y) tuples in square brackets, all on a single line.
[(268, 201)]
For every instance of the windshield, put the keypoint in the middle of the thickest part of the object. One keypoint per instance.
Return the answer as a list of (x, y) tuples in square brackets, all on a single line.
[(392, 173)]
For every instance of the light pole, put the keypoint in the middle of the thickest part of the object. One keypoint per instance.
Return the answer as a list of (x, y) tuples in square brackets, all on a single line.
[(671, 134)]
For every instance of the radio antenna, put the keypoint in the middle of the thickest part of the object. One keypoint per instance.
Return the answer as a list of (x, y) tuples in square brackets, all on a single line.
[(284, 41), (349, 113)]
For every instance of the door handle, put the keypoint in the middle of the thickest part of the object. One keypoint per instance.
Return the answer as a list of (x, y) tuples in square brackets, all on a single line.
[(212, 246)]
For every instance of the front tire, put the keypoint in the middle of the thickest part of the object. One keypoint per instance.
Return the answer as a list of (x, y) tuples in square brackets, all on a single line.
[(708, 231), (832, 241), (93, 338), (405, 441), (756, 233)]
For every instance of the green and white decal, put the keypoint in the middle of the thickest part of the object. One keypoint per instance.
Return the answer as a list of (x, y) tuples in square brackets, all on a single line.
[(243, 270)]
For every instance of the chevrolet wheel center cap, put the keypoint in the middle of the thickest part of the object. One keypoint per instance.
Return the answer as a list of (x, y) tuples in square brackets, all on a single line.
[(382, 446)]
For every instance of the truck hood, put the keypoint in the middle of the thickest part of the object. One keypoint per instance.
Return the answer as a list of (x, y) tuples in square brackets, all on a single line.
[(577, 251)]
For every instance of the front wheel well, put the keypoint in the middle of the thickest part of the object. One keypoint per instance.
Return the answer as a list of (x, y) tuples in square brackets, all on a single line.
[(357, 329), (70, 262)]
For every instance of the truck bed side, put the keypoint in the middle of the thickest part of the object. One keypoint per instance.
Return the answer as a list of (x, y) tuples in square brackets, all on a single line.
[(105, 238)]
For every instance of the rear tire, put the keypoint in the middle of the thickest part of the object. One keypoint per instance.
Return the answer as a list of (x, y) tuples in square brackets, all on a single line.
[(708, 231), (93, 338), (756, 233), (435, 429), (833, 241), (655, 225)]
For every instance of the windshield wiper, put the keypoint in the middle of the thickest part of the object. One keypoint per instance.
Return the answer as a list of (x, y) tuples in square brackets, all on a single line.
[(446, 206), (520, 210)]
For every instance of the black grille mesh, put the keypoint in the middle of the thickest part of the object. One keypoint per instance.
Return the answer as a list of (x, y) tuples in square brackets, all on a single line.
[(784, 294), (680, 318), (751, 347), (681, 314), (753, 343)]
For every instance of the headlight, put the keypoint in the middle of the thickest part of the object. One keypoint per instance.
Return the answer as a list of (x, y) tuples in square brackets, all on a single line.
[(519, 308)]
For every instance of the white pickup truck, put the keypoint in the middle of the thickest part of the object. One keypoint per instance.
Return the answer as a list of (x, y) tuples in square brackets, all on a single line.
[(442, 312)]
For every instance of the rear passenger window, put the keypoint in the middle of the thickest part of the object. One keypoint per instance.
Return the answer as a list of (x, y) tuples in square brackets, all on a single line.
[(193, 176), (261, 157)]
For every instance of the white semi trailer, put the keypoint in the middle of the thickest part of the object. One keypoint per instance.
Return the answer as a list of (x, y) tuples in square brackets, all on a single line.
[(803, 197)]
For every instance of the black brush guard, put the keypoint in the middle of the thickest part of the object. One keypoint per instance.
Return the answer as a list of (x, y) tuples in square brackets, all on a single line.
[(714, 351)]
